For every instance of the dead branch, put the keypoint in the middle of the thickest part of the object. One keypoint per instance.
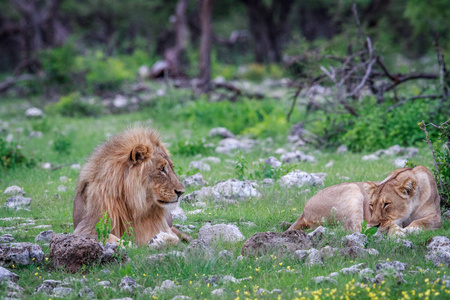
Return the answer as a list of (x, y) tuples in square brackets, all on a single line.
[(423, 127), (442, 70), (294, 101)]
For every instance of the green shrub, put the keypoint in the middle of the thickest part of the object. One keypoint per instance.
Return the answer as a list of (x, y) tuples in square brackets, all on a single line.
[(377, 126), (104, 73), (72, 105), (59, 63), (190, 148), (11, 156), (62, 143)]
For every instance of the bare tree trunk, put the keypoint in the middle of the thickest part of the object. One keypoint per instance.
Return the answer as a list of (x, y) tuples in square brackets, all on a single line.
[(173, 54), (205, 45)]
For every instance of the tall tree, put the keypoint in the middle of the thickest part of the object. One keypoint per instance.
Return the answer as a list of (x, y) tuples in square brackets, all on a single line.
[(269, 26), (206, 7)]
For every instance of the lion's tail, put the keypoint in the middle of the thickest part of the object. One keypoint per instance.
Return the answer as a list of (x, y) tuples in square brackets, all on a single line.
[(301, 223)]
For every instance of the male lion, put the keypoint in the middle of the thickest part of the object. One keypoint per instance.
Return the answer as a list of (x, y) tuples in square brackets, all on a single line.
[(407, 200), (130, 177)]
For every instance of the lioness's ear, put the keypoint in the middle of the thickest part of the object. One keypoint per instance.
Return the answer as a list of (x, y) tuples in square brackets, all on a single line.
[(408, 187), (139, 154), (369, 187)]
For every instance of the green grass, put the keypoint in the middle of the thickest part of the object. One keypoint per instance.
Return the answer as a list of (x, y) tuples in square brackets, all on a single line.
[(276, 204)]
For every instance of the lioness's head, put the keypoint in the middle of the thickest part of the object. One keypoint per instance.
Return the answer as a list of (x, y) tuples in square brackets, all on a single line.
[(390, 200)]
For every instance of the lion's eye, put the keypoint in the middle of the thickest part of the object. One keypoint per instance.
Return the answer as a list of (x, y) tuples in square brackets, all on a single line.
[(371, 206), (385, 205), (163, 169)]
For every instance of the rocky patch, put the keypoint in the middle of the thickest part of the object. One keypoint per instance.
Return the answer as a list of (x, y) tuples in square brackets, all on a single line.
[(194, 180), (299, 178), (20, 254), (273, 242)]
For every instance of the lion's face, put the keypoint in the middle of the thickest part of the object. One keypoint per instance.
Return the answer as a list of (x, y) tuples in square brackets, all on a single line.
[(390, 201)]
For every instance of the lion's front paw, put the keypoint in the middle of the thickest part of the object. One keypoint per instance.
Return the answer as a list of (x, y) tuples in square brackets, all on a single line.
[(163, 238), (113, 239), (396, 230), (412, 229)]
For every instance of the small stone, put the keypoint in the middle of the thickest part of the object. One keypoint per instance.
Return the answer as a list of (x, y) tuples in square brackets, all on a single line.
[(280, 151), (44, 236), (229, 278), (329, 164), (128, 284), (220, 232), (8, 275), (75, 166), (86, 293), (273, 162), (370, 157), (33, 112), (211, 159), (120, 101), (225, 254), (218, 292), (353, 269), (405, 243), (394, 265), (334, 275), (342, 149), (299, 178), (17, 202), (168, 285), (104, 283), (62, 292), (267, 182), (366, 272), (221, 132), (62, 188), (178, 214), (7, 238), (63, 179), (199, 165), (328, 251), (181, 297), (297, 156), (195, 180), (400, 162), (14, 190), (324, 279), (356, 239), (314, 257), (317, 235)]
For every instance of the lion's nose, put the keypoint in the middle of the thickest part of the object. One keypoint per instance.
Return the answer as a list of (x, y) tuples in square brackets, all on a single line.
[(179, 192)]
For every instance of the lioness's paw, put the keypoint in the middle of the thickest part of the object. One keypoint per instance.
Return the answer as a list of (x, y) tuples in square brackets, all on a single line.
[(412, 229), (397, 231)]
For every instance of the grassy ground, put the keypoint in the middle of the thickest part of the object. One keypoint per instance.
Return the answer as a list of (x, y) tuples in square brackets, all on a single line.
[(50, 207)]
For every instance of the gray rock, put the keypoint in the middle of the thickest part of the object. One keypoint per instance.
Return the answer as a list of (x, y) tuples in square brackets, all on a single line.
[(297, 156), (299, 133), (317, 235), (229, 278), (353, 269), (128, 284), (62, 188), (198, 248), (7, 238), (324, 279), (149, 291), (62, 292), (161, 256), (299, 178), (86, 293), (44, 236), (8, 275), (273, 162), (63, 179), (211, 160), (181, 297), (405, 243), (199, 165), (366, 272), (36, 134), (342, 149), (20, 253), (120, 101), (195, 180), (400, 162), (439, 243), (439, 250), (225, 254), (314, 257), (328, 251), (167, 285), (75, 166), (104, 283), (370, 157), (334, 275), (218, 292), (14, 190), (231, 190), (178, 213), (280, 151), (12, 288), (220, 232), (267, 182), (274, 242), (355, 239), (228, 145), (47, 287), (394, 265), (33, 112), (221, 132), (17, 202)]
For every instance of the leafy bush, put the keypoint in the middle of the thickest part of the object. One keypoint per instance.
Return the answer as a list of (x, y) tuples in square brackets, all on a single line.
[(72, 105), (377, 126), (190, 148), (11, 156), (62, 144), (104, 73), (59, 63)]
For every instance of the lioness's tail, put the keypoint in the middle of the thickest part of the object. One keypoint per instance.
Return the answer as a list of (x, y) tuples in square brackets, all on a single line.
[(301, 223)]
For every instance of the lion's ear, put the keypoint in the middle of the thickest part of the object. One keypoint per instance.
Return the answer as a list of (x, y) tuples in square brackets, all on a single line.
[(369, 187), (408, 187), (139, 154)]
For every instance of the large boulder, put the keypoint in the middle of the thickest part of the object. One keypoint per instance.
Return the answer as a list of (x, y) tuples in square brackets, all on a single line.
[(221, 132), (17, 202), (195, 180), (14, 190), (275, 242), (71, 252), (299, 178)]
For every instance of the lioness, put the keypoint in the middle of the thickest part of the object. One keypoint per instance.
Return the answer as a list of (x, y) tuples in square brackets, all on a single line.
[(130, 177), (407, 200)]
